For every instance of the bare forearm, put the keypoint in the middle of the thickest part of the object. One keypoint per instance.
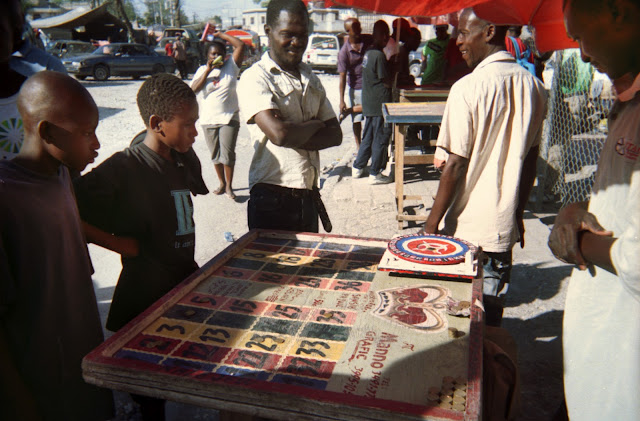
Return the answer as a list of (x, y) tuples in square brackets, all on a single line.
[(452, 176), (200, 82), (527, 179), (596, 249), (125, 246), (327, 137), (343, 80)]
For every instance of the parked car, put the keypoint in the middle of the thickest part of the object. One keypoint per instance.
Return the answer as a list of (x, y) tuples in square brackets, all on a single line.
[(119, 59), (65, 48), (195, 55), (415, 58), (322, 52)]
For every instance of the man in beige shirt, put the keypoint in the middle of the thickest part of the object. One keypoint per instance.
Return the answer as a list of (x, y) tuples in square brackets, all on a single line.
[(289, 119), (491, 130)]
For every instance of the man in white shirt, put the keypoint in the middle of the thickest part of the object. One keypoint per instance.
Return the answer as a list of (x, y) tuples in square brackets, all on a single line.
[(290, 119), (491, 129), (601, 338)]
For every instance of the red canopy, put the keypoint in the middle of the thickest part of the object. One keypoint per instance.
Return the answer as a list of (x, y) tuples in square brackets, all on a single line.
[(545, 15)]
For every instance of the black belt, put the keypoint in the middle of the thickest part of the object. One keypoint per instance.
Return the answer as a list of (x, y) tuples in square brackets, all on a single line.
[(313, 194)]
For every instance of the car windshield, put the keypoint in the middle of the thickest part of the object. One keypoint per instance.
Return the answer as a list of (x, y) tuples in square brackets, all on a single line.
[(324, 43), (104, 50)]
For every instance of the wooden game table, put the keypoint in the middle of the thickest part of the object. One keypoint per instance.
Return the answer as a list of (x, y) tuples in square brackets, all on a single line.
[(401, 115), (423, 94), (303, 327)]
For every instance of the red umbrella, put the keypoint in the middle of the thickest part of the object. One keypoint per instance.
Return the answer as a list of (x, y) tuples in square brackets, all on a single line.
[(545, 15)]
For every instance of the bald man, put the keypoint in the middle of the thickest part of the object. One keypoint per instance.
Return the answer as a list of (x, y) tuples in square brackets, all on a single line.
[(48, 314)]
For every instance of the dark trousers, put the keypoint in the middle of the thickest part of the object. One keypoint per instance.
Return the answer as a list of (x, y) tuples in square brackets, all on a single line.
[(182, 68), (374, 145), (282, 208)]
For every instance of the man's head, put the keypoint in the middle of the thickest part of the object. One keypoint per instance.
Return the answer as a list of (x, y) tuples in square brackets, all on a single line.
[(441, 32), (514, 31), (402, 25), (380, 34), (477, 38), (415, 36), (11, 24), (607, 33), (352, 27), (59, 117), (169, 109), (288, 31)]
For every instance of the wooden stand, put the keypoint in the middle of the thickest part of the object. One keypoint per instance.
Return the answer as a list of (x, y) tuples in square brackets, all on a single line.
[(401, 115)]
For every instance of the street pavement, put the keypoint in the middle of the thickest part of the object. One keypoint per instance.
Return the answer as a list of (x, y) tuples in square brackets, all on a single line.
[(356, 208)]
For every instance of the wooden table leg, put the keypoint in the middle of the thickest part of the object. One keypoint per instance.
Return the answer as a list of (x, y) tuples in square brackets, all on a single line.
[(399, 174)]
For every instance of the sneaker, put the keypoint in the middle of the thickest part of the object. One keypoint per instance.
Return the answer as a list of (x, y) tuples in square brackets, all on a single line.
[(356, 173), (379, 179)]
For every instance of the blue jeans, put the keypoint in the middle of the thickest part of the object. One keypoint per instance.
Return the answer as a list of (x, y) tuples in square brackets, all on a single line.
[(497, 275), (375, 142)]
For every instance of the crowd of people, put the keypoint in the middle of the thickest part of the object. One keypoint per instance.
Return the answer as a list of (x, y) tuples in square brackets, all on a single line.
[(138, 202)]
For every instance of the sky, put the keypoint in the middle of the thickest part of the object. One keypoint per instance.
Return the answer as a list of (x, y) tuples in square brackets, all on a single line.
[(209, 8)]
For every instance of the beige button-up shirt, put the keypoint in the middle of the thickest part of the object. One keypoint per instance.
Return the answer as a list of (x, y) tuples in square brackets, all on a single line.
[(266, 86), (493, 117)]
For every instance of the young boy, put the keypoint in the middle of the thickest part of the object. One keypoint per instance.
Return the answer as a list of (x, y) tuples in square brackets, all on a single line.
[(138, 202), (375, 91), (48, 314)]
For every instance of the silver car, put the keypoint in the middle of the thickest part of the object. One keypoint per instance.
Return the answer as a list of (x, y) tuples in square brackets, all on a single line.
[(119, 60)]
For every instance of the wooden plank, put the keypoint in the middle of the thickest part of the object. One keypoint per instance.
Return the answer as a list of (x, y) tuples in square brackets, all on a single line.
[(418, 159), (412, 217), (413, 112), (300, 326)]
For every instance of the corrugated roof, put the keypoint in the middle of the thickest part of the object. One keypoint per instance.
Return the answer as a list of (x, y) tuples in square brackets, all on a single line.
[(72, 19)]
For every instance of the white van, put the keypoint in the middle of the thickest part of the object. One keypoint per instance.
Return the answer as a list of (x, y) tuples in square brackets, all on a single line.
[(322, 52)]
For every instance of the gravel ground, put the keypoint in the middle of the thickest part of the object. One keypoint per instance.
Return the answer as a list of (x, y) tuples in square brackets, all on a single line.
[(537, 294)]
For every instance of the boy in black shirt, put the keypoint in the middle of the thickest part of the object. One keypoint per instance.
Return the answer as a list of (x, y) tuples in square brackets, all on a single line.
[(138, 202), (376, 90)]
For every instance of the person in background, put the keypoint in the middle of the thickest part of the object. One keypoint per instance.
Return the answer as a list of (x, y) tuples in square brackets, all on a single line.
[(492, 125), (400, 27), (180, 55), (601, 236), (49, 317), (433, 56), (215, 85), (376, 90), (168, 49), (350, 66), (399, 63), (290, 119)]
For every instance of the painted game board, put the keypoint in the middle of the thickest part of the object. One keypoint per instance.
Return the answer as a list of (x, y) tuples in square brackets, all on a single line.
[(304, 326)]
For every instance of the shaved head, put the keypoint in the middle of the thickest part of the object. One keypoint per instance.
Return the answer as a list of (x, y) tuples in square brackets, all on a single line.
[(51, 96), (60, 120)]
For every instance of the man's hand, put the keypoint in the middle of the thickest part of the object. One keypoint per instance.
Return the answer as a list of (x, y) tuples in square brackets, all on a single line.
[(343, 106), (564, 240)]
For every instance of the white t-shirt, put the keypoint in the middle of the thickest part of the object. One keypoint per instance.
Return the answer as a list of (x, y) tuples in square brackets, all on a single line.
[(601, 333), (11, 129), (493, 117), (218, 98), (266, 86)]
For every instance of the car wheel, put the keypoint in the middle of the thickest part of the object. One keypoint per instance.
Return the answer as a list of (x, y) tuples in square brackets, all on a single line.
[(101, 72), (157, 68), (80, 77), (414, 69)]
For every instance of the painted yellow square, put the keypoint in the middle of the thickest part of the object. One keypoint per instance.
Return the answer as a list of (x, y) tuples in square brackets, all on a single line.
[(321, 350), (216, 335), (264, 342), (171, 328), (288, 259)]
